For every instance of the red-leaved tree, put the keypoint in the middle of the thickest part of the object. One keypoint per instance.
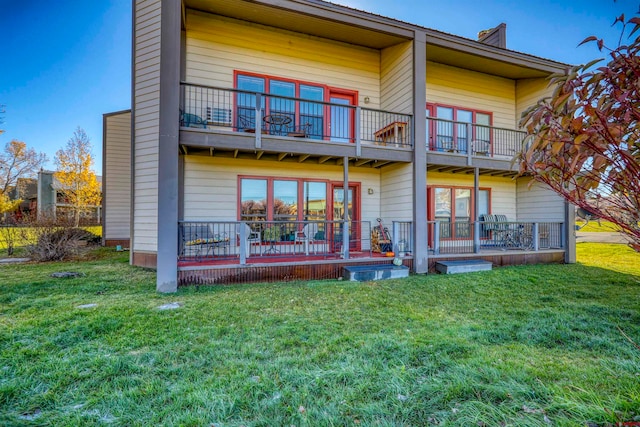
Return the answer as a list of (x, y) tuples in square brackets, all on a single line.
[(583, 141)]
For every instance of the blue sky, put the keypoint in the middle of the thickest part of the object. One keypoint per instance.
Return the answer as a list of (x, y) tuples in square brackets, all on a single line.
[(65, 63)]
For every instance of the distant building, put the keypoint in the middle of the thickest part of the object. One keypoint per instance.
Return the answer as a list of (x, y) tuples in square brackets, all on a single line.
[(25, 189), (50, 201)]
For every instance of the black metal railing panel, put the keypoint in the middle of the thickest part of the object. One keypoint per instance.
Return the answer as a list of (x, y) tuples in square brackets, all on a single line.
[(242, 240), (206, 107), (474, 139), (462, 237)]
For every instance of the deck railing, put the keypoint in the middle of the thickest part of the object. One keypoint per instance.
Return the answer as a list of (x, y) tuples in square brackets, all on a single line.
[(473, 139), (207, 107), (465, 237), (268, 240)]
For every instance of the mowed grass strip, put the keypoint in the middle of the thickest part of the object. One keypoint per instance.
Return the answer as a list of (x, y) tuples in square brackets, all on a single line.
[(517, 346)]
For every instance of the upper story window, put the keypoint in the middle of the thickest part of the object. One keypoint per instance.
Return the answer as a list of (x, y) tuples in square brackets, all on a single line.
[(448, 129), (315, 118)]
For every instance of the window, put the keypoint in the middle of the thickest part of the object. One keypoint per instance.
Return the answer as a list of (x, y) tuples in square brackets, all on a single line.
[(275, 199), (315, 113), (456, 205), (253, 200), (450, 131)]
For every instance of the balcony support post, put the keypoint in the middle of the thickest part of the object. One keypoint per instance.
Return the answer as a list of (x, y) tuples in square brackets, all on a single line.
[(358, 133), (476, 216), (536, 236), (345, 214), (419, 135), (242, 236), (395, 237), (469, 143), (436, 237), (168, 143), (258, 121)]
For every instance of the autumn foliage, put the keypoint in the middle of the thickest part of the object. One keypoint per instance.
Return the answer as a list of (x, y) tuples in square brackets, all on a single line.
[(583, 141), (78, 183)]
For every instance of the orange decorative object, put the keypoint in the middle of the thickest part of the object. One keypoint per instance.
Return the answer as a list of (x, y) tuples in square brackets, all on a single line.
[(390, 254)]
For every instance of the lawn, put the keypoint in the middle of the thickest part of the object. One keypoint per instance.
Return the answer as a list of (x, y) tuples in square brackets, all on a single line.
[(518, 346), (595, 226)]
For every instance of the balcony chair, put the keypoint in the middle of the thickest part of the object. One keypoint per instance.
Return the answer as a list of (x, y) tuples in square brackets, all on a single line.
[(301, 131), (247, 124), (201, 241), (307, 235), (192, 121), (481, 147)]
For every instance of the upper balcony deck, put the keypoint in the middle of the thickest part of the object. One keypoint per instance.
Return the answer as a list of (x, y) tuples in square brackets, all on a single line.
[(242, 123), (453, 145)]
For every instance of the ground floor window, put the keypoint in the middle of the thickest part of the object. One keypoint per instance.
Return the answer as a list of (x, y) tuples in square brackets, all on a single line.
[(455, 208), (276, 199)]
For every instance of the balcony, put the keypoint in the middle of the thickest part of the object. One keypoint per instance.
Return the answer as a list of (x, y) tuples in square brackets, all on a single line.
[(256, 242), (274, 127), (454, 144), (468, 237)]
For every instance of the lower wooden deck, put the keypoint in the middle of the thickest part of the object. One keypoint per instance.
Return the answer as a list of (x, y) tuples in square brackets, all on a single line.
[(293, 269)]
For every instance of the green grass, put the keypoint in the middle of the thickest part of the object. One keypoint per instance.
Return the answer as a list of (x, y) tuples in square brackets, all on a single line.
[(518, 346), (594, 226)]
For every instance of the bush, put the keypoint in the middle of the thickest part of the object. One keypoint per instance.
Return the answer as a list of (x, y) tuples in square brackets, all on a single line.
[(57, 241)]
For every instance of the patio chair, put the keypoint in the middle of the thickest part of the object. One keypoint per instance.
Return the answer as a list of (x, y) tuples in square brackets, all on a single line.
[(247, 124), (301, 131), (250, 237), (307, 236)]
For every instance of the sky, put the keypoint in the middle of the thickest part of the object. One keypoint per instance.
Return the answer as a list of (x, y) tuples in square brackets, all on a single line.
[(65, 63)]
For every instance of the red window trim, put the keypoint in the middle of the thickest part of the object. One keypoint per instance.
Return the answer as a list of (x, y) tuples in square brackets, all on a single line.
[(432, 108), (267, 78), (431, 207), (329, 195), (327, 92)]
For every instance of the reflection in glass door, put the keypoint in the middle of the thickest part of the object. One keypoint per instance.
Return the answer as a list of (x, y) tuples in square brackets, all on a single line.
[(341, 118), (338, 215)]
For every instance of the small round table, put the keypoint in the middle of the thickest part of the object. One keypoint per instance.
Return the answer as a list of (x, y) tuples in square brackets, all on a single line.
[(277, 123)]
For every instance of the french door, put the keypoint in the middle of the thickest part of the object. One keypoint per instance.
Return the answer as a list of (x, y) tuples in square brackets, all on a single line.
[(337, 214)]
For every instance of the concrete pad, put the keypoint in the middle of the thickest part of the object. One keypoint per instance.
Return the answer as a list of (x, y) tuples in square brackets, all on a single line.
[(365, 273), (463, 266)]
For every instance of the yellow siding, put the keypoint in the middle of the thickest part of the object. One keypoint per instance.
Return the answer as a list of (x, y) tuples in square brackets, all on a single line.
[(397, 80), (503, 190), (464, 88), (538, 203), (397, 193), (117, 176), (146, 110), (211, 184), (216, 46), (528, 92)]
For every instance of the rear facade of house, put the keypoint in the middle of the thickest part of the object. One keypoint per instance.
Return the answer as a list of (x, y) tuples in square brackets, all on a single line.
[(281, 140)]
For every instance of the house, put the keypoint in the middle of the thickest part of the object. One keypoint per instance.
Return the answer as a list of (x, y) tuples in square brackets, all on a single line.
[(26, 189), (269, 136), (50, 201)]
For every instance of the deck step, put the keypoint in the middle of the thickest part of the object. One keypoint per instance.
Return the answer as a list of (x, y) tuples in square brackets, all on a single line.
[(365, 273), (463, 266)]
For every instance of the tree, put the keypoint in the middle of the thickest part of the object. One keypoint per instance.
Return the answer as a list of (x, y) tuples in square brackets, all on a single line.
[(79, 185), (16, 161), (583, 141)]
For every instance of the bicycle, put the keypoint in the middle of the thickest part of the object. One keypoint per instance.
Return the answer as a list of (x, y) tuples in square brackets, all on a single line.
[(518, 238)]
